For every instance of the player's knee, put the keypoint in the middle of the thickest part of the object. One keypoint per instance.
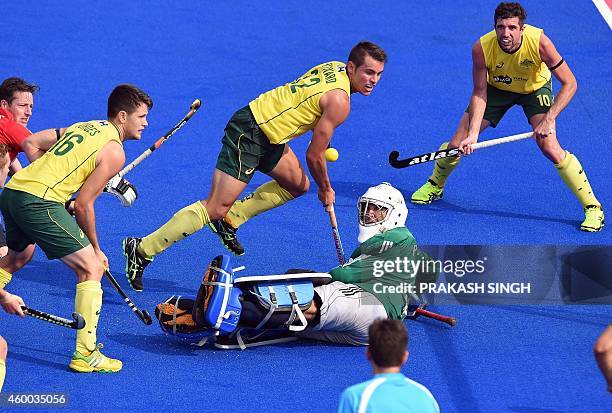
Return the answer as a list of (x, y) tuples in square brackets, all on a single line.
[(301, 188), (90, 270), (22, 259), (17, 260), (3, 348), (604, 344)]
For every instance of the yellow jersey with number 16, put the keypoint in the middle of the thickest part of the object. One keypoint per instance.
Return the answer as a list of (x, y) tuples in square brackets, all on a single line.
[(65, 167), (293, 109), (522, 71)]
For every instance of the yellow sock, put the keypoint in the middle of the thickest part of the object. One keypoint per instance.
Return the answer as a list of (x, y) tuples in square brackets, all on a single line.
[(185, 222), (2, 373), (88, 303), (5, 277), (267, 196), (443, 167), (575, 178)]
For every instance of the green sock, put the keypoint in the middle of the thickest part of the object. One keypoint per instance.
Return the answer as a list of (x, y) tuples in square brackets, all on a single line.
[(88, 303), (5, 278), (185, 222), (267, 196), (443, 168), (575, 178)]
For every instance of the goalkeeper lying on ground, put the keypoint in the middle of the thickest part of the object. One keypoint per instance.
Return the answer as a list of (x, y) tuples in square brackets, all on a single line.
[(341, 306)]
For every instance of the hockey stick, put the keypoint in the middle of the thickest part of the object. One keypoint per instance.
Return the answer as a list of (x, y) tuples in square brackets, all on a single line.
[(419, 311), (192, 110), (445, 153), (451, 321), (142, 314), (336, 234), (77, 323)]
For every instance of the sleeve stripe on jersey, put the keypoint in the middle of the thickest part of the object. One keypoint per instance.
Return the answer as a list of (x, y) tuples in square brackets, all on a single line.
[(368, 392)]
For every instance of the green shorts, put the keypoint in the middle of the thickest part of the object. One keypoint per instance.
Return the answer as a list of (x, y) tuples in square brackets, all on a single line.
[(499, 101), (246, 148), (31, 220)]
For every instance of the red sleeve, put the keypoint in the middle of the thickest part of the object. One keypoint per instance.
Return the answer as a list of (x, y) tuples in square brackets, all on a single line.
[(13, 134)]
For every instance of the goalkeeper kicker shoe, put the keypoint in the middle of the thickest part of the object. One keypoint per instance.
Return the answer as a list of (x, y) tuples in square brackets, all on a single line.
[(135, 263), (594, 219), (94, 362), (428, 193), (227, 233)]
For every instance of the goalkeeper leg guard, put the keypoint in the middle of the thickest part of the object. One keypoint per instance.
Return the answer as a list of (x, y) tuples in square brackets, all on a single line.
[(268, 196), (575, 178), (185, 222), (5, 278), (433, 189)]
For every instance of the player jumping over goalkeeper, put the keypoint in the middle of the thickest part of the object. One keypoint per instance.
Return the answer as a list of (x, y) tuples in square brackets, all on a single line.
[(256, 139)]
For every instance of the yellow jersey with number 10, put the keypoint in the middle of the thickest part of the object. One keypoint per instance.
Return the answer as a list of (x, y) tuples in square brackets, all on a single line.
[(522, 71), (293, 109), (65, 167)]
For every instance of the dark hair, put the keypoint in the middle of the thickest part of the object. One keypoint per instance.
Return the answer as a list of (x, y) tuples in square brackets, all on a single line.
[(388, 340), (358, 53), (127, 98), (509, 10), (4, 149), (15, 84)]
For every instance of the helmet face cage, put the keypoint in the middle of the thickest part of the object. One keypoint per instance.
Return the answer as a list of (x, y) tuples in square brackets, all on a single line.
[(368, 209)]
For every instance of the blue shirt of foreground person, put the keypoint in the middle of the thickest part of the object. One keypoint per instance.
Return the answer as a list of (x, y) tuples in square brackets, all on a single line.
[(389, 391)]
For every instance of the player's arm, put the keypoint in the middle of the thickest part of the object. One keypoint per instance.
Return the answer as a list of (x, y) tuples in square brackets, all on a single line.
[(37, 144), (478, 101), (335, 106), (560, 69), (359, 269), (14, 167), (109, 161), (11, 303)]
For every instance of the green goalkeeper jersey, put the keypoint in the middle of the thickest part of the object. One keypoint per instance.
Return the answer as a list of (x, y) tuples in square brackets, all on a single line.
[(387, 265)]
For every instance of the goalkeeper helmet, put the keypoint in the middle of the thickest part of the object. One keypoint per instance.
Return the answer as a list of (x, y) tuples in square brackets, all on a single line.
[(380, 209)]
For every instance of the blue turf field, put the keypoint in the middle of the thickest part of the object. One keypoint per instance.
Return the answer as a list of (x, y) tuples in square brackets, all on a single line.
[(514, 359)]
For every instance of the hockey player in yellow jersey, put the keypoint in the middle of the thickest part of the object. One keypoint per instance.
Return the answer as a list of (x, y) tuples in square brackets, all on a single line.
[(512, 65), (83, 158), (255, 139)]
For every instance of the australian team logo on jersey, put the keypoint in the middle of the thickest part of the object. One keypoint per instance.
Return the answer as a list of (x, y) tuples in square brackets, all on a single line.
[(503, 79), (527, 63)]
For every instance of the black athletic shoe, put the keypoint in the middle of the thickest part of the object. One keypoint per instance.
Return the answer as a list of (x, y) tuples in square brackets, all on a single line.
[(227, 233), (135, 263)]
